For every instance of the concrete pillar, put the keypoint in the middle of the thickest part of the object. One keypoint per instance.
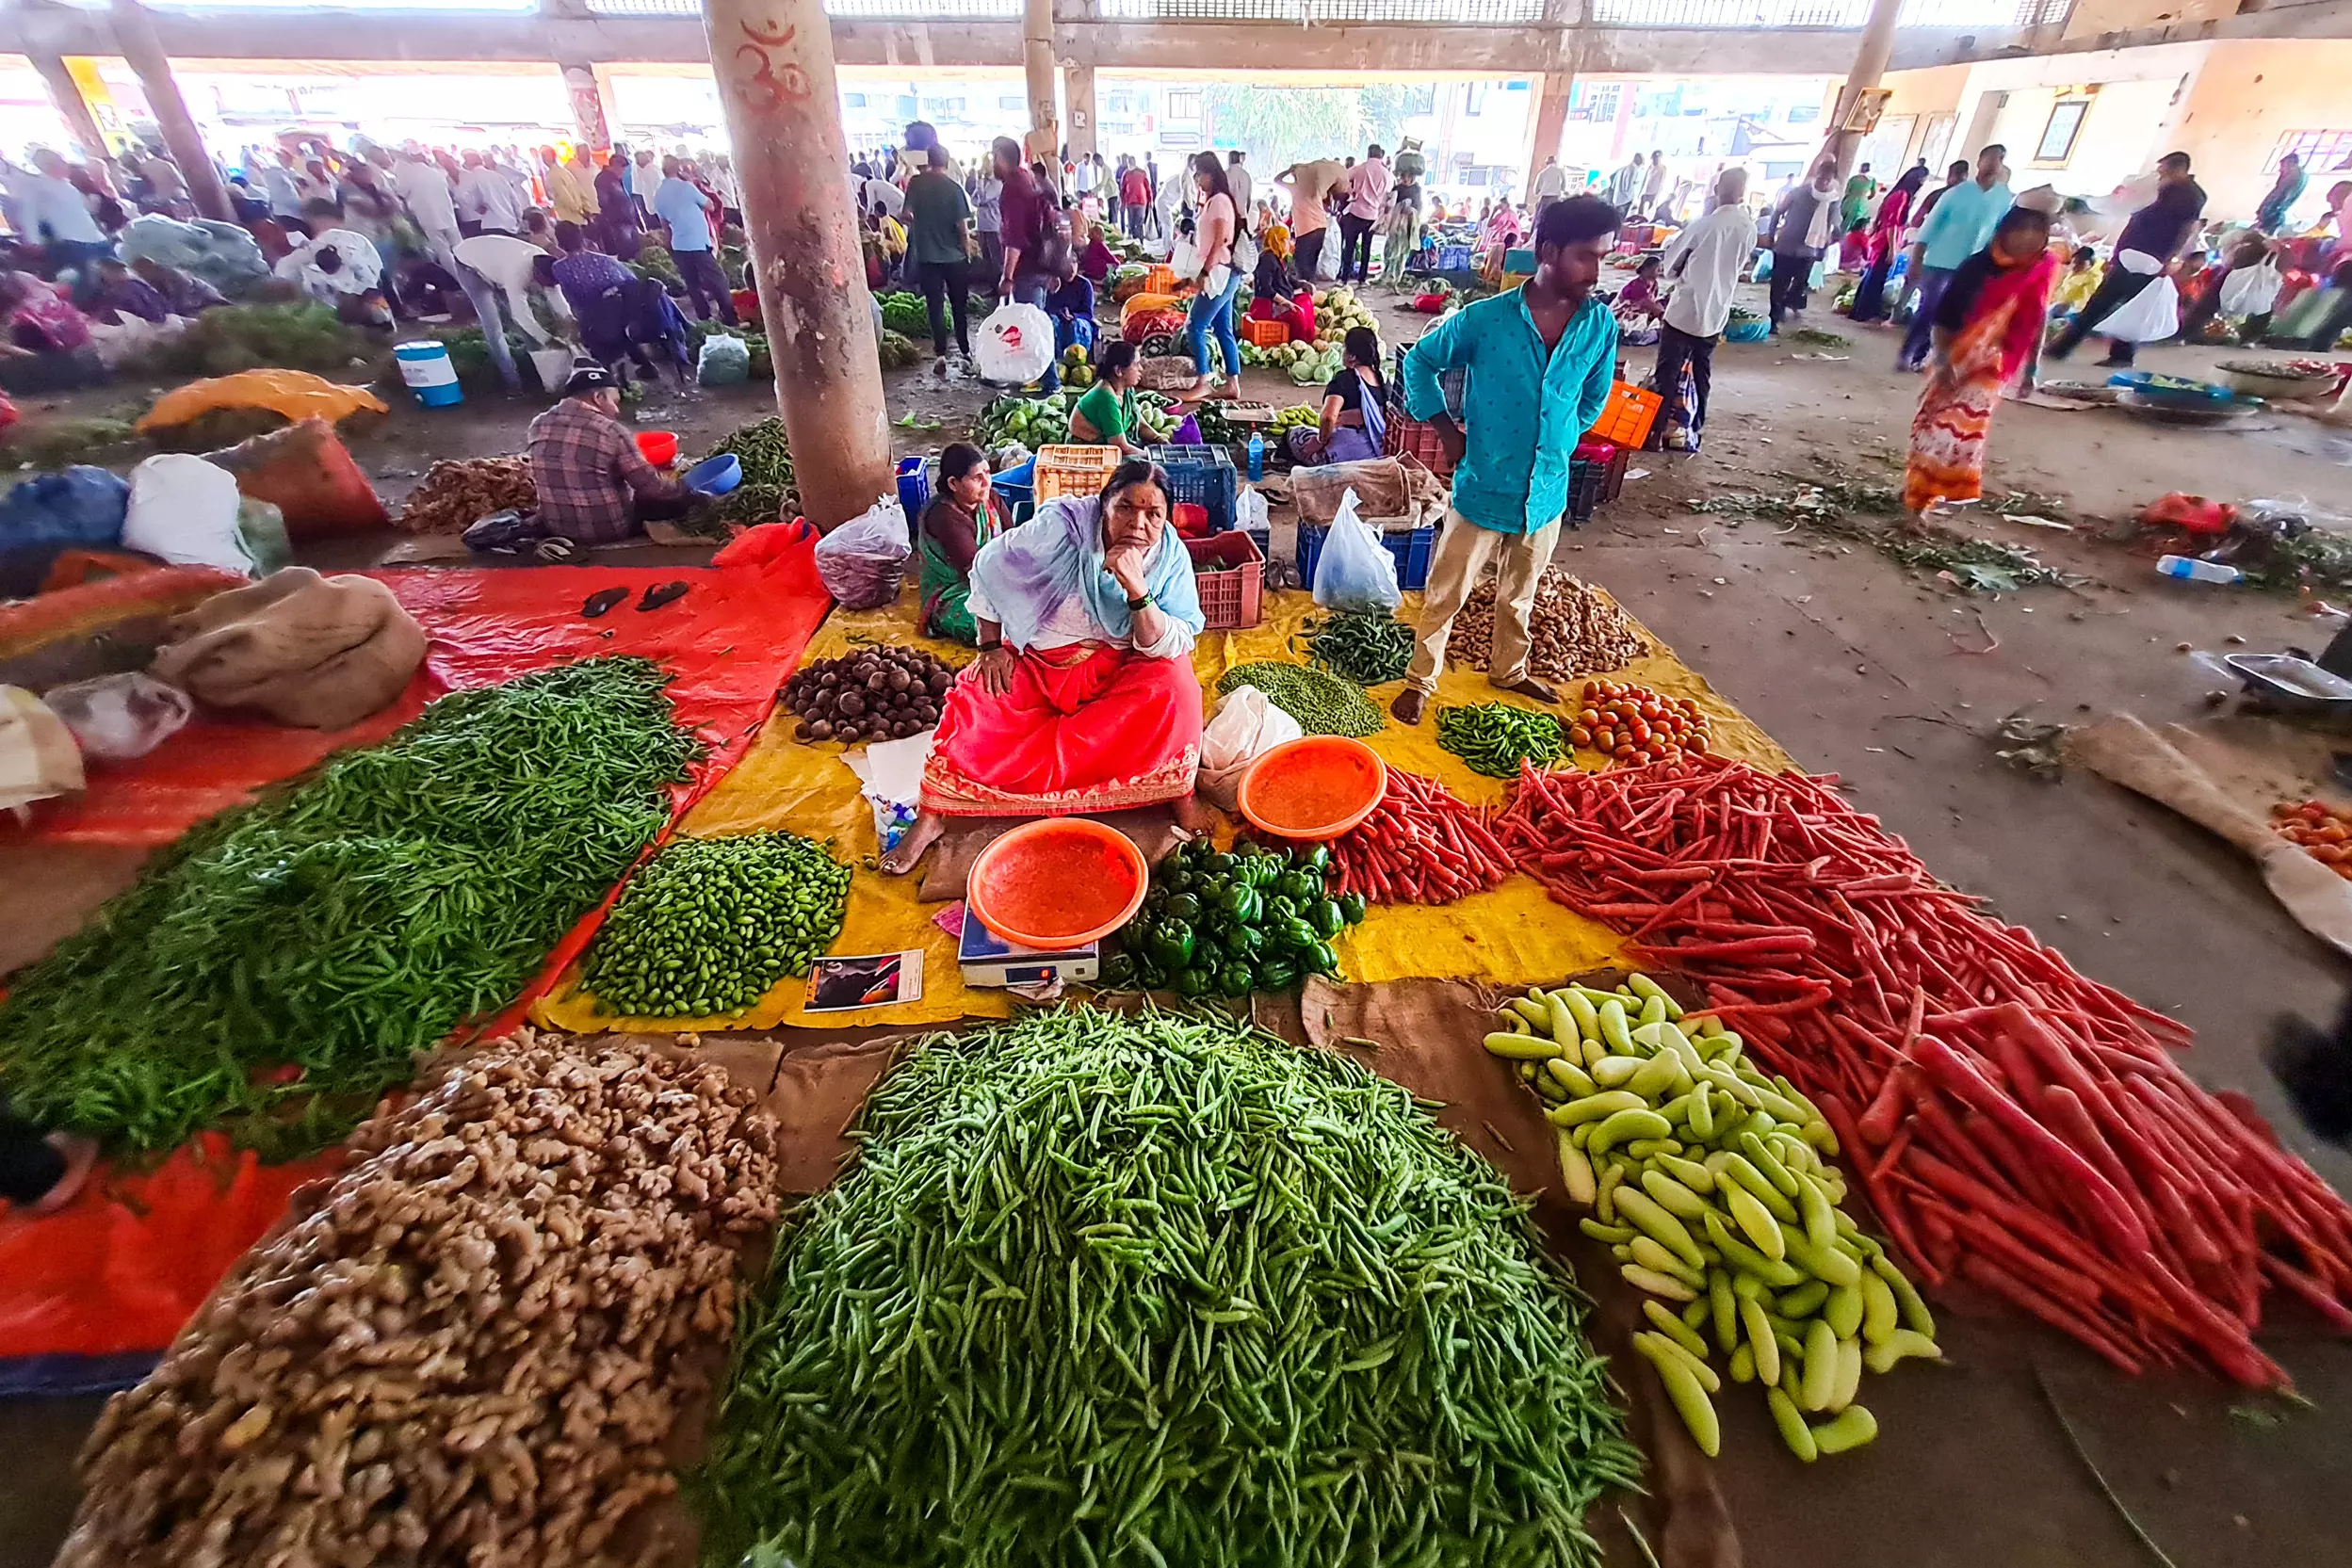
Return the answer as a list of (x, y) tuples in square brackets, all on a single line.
[(66, 94), (1080, 81), (135, 32), (1037, 65), (1980, 127), (594, 112), (1551, 117), (777, 88), (1869, 65), (1622, 125)]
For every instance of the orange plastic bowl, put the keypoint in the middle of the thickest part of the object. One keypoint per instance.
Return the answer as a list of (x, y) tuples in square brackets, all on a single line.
[(1057, 884), (658, 448), (1315, 788)]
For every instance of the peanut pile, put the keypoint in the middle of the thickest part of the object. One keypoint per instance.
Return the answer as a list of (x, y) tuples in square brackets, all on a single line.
[(458, 493), (472, 1350), (1575, 631)]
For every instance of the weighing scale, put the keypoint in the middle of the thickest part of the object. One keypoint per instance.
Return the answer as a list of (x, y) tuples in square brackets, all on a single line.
[(988, 958)]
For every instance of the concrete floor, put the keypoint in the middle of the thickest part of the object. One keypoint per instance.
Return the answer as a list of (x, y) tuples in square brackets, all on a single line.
[(1863, 670)]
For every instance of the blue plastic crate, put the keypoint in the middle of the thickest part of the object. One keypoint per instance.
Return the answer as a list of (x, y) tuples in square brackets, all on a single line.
[(1412, 548), (914, 490), (1205, 475), (1452, 257)]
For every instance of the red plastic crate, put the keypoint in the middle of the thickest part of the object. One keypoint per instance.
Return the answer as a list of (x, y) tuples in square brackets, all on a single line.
[(1408, 437), (1611, 460), (1234, 597)]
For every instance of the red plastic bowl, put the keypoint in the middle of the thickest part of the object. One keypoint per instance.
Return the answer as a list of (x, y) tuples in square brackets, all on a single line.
[(1316, 787), (1057, 884), (659, 448)]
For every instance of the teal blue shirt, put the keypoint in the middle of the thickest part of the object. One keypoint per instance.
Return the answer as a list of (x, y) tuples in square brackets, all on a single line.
[(1522, 414), (1962, 223)]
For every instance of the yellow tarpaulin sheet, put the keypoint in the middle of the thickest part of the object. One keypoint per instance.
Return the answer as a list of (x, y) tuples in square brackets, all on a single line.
[(1513, 935)]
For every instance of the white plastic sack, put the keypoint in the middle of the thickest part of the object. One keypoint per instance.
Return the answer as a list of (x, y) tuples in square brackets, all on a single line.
[(1355, 572), (2252, 290), (724, 360), (862, 562), (1016, 344), (1327, 262), (1185, 260), (1250, 510), (1243, 727), (2148, 316), (115, 717), (185, 510), (134, 335)]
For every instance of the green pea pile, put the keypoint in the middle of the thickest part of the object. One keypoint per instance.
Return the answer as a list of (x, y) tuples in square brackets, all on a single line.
[(1493, 737), (708, 924), (1319, 701)]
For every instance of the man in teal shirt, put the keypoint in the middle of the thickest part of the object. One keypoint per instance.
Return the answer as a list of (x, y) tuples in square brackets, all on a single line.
[(1538, 362), (1961, 225)]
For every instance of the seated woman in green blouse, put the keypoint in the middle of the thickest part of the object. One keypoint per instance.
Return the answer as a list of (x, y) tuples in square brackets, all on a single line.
[(1108, 414), (963, 516)]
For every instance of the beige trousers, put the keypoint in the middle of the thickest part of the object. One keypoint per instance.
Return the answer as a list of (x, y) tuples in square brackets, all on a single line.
[(1463, 550)]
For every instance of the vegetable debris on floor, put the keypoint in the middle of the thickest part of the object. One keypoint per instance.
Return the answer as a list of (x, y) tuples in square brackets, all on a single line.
[(1151, 1290), (306, 945)]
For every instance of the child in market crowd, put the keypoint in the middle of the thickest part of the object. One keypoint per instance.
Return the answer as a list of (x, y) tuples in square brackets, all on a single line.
[(2080, 282), (1854, 249), (1071, 305)]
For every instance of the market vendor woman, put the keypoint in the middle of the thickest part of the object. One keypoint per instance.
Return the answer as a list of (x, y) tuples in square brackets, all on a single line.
[(963, 516), (1084, 698), (1109, 415)]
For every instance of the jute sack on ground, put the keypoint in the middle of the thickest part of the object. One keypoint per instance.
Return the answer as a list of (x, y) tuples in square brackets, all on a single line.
[(315, 653)]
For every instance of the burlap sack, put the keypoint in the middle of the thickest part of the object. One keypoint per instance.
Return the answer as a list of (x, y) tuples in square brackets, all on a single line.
[(315, 653)]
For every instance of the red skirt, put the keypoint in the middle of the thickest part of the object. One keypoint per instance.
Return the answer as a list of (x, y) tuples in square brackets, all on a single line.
[(1083, 728)]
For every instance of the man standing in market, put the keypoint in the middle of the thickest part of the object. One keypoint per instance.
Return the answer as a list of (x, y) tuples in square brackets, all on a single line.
[(1706, 259), (2146, 250), (1537, 363)]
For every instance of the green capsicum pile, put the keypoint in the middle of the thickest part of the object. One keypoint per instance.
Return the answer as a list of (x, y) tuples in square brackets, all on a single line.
[(1225, 923)]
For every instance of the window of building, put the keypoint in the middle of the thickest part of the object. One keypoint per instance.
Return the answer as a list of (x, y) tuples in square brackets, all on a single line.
[(2322, 152), (852, 100), (1593, 105), (1184, 106), (1804, 114), (1420, 100), (1474, 98), (1012, 101), (2065, 124)]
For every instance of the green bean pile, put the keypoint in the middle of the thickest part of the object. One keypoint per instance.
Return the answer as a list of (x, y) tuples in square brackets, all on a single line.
[(340, 925), (1493, 737), (1369, 650), (1160, 1290), (1321, 702), (709, 924)]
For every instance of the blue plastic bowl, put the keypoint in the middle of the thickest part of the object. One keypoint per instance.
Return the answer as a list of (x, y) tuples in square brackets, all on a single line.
[(715, 476)]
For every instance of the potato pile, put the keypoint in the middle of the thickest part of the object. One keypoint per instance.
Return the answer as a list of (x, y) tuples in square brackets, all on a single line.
[(472, 1350), (458, 493), (1575, 630), (873, 694)]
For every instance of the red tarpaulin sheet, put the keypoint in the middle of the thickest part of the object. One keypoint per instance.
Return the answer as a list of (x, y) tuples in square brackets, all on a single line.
[(126, 1264)]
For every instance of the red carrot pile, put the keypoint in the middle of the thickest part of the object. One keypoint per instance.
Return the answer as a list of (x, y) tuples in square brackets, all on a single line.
[(2012, 1122), (1422, 844)]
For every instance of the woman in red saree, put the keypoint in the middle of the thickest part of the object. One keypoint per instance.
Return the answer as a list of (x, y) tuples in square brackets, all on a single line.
[(1084, 697), (1886, 243), (1987, 330)]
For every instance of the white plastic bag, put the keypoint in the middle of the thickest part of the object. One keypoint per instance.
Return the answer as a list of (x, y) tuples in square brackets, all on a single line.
[(1355, 572), (724, 360), (1185, 260), (862, 562), (2252, 290), (2148, 316), (185, 510), (1243, 727), (1249, 510), (115, 717), (1016, 344), (1327, 263)]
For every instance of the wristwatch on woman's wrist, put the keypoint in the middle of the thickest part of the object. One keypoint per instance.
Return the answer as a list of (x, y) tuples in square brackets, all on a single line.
[(1137, 602)]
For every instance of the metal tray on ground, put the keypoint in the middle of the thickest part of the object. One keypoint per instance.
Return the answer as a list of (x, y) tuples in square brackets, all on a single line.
[(2292, 683)]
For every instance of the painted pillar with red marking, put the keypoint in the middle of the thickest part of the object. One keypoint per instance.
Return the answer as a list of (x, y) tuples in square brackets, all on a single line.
[(774, 59)]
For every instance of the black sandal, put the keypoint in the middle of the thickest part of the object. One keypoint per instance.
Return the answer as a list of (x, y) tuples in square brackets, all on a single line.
[(601, 601), (663, 594)]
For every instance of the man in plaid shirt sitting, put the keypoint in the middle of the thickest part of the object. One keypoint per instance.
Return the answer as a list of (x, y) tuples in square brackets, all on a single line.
[(594, 486)]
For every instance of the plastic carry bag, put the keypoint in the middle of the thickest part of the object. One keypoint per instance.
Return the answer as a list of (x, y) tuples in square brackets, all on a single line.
[(1355, 572), (1185, 260), (2148, 316), (185, 510), (862, 562), (1243, 727), (1016, 344), (2252, 290), (83, 505), (724, 361), (115, 717)]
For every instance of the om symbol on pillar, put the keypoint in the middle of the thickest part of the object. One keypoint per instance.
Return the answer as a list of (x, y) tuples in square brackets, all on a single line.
[(777, 83)]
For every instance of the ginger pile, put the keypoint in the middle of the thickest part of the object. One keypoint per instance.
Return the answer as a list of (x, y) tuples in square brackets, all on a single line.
[(473, 1348)]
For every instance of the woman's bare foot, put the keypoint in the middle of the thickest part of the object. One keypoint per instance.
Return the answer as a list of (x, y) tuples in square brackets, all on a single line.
[(81, 1156), (1191, 814), (926, 831)]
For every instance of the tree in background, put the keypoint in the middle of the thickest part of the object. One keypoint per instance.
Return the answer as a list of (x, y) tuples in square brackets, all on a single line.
[(1280, 126)]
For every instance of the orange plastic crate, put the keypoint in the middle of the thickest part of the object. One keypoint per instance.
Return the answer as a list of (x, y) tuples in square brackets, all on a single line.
[(1074, 470), (1159, 280), (1627, 416), (1264, 334)]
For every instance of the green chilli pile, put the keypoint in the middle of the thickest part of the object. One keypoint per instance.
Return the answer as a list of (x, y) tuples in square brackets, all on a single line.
[(1495, 737), (1152, 1289), (336, 926), (709, 924), (1370, 650), (768, 491), (1319, 701)]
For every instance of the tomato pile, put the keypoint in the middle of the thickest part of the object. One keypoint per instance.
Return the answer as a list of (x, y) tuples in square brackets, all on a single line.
[(1632, 724), (2323, 830)]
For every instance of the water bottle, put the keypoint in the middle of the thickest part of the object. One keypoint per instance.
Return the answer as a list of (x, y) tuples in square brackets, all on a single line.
[(1258, 457), (2197, 570)]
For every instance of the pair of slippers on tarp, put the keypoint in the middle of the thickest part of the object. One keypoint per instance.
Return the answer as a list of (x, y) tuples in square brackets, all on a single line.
[(655, 596)]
